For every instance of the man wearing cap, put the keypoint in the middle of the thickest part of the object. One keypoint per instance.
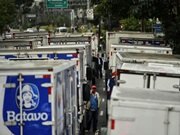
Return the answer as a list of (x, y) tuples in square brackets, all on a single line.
[(93, 108)]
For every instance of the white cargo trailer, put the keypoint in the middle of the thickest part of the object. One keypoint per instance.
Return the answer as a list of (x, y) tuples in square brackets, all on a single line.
[(133, 38), (66, 52), (40, 34), (119, 50), (38, 98), (85, 38), (78, 53), (140, 49), (130, 57), (151, 76), (143, 112), (20, 44)]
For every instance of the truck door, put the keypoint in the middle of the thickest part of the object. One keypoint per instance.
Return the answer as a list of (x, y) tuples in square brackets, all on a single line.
[(25, 103), (70, 102), (74, 100)]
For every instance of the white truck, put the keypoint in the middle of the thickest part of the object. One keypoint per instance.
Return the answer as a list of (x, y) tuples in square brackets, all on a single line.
[(37, 34), (84, 38), (38, 97), (78, 53), (117, 49), (136, 111), (133, 38), (129, 57), (20, 43), (150, 75), (53, 52)]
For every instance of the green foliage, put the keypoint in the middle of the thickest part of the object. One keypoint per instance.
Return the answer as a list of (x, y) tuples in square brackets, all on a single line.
[(130, 24), (24, 2), (111, 11), (24, 5), (7, 13), (83, 29)]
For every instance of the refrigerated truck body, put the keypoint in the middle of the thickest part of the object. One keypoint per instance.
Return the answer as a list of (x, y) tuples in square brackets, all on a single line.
[(20, 44), (85, 38), (31, 34), (133, 38), (118, 49), (130, 57), (85, 47), (136, 111), (38, 97), (72, 53), (55, 54), (150, 75)]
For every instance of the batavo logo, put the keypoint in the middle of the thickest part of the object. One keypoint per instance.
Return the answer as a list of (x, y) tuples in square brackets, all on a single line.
[(30, 97), (30, 101)]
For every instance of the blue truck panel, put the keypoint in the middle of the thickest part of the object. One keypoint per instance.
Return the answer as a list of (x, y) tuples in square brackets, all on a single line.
[(35, 105)]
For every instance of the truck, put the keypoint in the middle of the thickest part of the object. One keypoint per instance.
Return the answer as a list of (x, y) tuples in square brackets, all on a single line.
[(130, 57), (138, 111), (132, 38), (20, 43), (157, 76), (117, 49), (36, 34), (38, 97), (84, 38), (78, 53)]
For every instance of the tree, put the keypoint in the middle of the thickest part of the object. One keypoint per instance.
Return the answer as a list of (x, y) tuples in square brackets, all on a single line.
[(111, 11), (169, 13), (130, 24), (24, 4), (7, 13)]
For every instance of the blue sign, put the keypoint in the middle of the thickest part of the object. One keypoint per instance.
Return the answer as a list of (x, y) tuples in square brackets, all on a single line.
[(157, 28)]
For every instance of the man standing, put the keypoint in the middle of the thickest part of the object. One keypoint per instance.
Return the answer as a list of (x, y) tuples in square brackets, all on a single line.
[(93, 109), (99, 67), (110, 84)]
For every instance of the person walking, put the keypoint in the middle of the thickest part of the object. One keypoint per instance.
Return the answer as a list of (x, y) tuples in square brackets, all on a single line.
[(110, 84), (93, 109)]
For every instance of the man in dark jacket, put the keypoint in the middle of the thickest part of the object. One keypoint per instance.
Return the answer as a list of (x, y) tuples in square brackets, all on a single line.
[(99, 66), (110, 84)]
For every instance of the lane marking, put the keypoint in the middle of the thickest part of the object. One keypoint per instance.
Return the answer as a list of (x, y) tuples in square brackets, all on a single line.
[(103, 89), (101, 113), (103, 100)]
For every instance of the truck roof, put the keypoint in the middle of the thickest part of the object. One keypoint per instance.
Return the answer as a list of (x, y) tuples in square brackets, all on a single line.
[(64, 46), (35, 64), (123, 45), (147, 57), (152, 68), (145, 95)]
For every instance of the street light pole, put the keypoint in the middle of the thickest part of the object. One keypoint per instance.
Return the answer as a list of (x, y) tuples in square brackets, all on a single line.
[(88, 4)]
